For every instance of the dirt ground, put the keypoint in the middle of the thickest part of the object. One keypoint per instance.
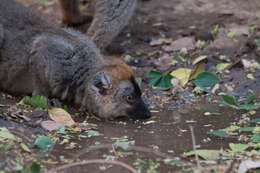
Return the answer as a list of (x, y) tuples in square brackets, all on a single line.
[(223, 30)]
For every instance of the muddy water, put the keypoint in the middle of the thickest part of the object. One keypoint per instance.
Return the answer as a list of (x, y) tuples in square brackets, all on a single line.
[(166, 135)]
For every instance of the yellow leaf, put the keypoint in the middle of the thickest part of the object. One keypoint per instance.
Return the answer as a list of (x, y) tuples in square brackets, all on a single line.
[(197, 60), (183, 74), (154, 111), (76, 129), (197, 71), (61, 116), (25, 148), (49, 162), (65, 141), (250, 76)]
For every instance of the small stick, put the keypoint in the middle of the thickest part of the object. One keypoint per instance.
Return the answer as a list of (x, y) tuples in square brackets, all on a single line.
[(195, 150), (85, 162), (114, 150), (135, 148)]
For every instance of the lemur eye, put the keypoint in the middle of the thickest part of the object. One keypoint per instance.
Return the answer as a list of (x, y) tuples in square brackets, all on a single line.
[(128, 98)]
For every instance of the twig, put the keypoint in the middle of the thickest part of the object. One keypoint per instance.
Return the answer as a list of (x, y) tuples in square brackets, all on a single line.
[(114, 150), (195, 150), (85, 162), (135, 148)]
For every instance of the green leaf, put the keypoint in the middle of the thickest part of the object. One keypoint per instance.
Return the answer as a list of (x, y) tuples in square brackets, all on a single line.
[(256, 130), (138, 52), (238, 147), (124, 145), (230, 100), (93, 133), (247, 129), (250, 99), (219, 133), (1, 105), (154, 74), (35, 167), (148, 165), (205, 154), (182, 58), (36, 101), (61, 130), (231, 34), (43, 142), (247, 107), (257, 120), (206, 80), (175, 163), (163, 82), (5, 147), (255, 138), (222, 66)]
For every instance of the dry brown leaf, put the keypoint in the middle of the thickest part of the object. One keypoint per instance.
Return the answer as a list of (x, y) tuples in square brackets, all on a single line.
[(61, 116), (51, 125), (199, 59)]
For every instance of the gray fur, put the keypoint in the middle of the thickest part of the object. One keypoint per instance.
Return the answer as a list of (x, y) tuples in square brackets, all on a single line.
[(1, 35)]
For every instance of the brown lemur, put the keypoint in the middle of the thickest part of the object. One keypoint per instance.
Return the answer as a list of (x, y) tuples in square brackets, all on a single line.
[(39, 58)]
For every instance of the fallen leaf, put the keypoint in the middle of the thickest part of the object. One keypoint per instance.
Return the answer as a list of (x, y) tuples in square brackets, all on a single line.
[(124, 145), (35, 167), (5, 134), (247, 129), (43, 142), (51, 125), (61, 116), (232, 128), (238, 147), (219, 133), (222, 66), (197, 71), (25, 147), (159, 80), (183, 74), (255, 138), (93, 133), (247, 165), (205, 154), (231, 34), (250, 76), (230, 100), (199, 59), (206, 81)]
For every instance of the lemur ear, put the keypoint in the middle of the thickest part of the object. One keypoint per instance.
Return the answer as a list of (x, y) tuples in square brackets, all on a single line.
[(101, 83)]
